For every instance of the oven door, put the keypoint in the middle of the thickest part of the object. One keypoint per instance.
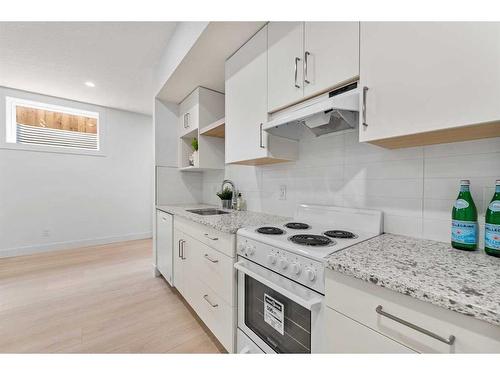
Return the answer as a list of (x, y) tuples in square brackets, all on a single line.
[(276, 313)]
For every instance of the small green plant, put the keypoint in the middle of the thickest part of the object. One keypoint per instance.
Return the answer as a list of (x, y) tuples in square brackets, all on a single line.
[(194, 144), (226, 194)]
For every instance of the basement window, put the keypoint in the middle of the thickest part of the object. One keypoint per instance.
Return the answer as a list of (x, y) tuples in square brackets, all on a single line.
[(47, 127)]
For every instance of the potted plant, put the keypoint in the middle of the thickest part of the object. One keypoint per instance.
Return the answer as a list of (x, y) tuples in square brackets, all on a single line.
[(194, 158), (226, 197)]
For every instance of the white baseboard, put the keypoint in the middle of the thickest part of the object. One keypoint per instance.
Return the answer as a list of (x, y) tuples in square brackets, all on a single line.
[(55, 246)]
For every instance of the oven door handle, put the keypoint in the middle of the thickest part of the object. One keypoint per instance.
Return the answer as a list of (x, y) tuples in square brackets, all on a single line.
[(309, 303)]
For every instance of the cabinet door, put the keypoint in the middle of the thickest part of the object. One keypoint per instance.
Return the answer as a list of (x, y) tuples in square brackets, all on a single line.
[(246, 100), (428, 76), (179, 244), (285, 64), (164, 244), (331, 55), (189, 113), (344, 335)]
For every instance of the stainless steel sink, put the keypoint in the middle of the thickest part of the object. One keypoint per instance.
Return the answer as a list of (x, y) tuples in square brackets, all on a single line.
[(207, 211)]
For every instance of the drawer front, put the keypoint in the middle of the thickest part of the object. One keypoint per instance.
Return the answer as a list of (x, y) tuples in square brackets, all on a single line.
[(216, 270), (359, 300), (221, 241), (344, 335), (215, 312)]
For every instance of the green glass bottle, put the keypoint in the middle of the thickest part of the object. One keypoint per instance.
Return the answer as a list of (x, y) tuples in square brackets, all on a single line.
[(492, 227), (464, 220)]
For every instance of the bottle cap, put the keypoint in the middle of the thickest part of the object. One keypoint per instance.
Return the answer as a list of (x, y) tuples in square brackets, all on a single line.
[(497, 182), (464, 182)]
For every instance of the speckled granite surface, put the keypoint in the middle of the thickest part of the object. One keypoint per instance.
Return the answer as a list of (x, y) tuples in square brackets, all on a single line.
[(228, 223), (465, 282)]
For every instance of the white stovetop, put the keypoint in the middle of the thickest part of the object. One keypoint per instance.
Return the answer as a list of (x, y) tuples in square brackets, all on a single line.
[(282, 242)]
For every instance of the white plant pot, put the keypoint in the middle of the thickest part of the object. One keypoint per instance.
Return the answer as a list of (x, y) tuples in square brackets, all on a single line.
[(196, 158)]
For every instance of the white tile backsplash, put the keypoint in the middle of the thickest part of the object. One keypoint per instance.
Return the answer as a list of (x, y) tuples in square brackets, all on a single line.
[(415, 187)]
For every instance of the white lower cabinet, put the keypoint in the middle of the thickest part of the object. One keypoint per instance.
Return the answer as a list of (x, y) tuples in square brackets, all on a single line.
[(206, 278), (347, 336), (430, 327)]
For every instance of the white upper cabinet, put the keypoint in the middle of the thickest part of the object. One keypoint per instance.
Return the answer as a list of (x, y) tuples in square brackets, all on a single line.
[(308, 58), (331, 55), (427, 81), (198, 111), (246, 108), (285, 64)]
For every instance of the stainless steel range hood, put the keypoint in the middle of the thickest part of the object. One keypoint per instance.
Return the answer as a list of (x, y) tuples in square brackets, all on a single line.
[(327, 113)]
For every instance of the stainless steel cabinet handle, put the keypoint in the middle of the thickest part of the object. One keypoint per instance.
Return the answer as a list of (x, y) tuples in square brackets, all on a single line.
[(211, 259), (261, 144), (450, 340), (365, 89), (179, 247), (186, 120), (211, 238), (306, 55), (297, 59), (210, 303)]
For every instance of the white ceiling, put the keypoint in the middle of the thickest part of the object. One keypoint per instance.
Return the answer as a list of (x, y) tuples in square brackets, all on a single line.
[(57, 58)]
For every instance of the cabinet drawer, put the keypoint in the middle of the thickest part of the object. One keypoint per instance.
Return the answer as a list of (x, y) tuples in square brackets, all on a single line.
[(221, 241), (358, 300), (344, 335), (215, 270), (214, 311)]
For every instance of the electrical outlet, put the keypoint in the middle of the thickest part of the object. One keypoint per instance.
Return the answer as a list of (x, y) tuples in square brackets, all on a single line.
[(282, 196)]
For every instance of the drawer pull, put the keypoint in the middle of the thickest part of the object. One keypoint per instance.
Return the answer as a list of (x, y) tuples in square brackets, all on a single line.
[(210, 303), (448, 341), (211, 259), (212, 238)]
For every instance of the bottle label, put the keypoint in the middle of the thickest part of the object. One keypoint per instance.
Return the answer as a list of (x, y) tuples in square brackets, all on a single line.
[(494, 206), (492, 236), (461, 203), (464, 232)]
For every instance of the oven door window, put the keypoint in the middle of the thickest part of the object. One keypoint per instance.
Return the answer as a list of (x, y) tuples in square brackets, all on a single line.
[(280, 322)]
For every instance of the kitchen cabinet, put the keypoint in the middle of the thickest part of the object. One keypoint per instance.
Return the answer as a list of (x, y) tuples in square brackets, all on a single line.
[(198, 111), (164, 244), (204, 275), (309, 58), (429, 82), (246, 108), (182, 259), (369, 304), (331, 55), (347, 336), (285, 63)]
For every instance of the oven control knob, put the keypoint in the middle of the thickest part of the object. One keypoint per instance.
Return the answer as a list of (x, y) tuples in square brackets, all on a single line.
[(283, 263), (242, 247), (250, 250), (296, 268), (311, 275), (271, 258)]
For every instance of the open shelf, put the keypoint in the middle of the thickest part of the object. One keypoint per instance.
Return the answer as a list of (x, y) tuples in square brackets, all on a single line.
[(215, 129), (192, 168), (192, 134)]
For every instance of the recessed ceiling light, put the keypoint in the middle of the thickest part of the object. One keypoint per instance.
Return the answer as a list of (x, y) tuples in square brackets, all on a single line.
[(90, 84)]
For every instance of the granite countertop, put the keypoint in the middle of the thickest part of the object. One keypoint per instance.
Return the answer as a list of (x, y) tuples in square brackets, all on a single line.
[(431, 271), (228, 223)]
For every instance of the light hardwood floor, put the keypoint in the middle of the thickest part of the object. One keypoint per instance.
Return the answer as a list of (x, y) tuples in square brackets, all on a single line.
[(101, 299)]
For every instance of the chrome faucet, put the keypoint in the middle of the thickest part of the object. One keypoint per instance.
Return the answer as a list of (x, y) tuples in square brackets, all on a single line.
[(233, 188)]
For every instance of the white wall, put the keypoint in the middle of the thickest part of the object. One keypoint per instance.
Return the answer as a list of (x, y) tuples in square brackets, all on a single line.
[(56, 200), (415, 187), (185, 36)]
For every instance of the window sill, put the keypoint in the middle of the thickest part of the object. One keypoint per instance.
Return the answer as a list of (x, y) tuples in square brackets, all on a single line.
[(51, 149)]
